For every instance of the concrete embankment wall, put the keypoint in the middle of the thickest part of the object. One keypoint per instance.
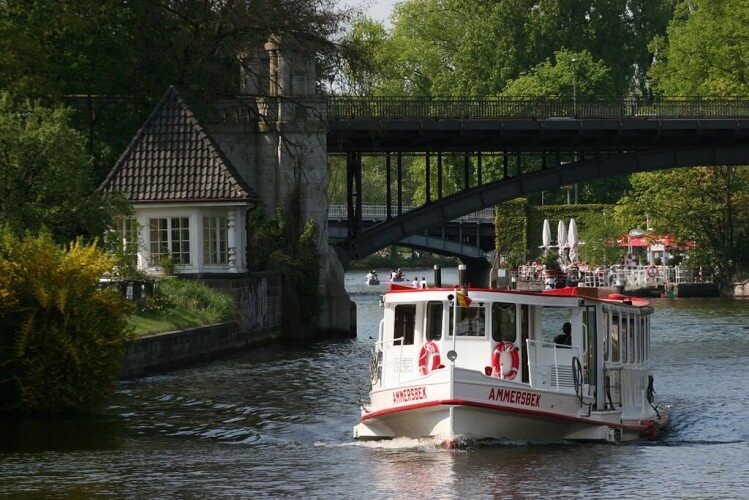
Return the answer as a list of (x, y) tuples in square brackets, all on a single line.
[(258, 297), (163, 351)]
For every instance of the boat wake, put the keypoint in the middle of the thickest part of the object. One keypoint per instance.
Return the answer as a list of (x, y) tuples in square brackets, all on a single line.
[(399, 444)]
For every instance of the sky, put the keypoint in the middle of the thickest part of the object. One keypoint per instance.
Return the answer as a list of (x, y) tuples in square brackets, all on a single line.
[(380, 9)]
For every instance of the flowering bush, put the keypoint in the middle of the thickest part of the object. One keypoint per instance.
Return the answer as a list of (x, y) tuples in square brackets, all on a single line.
[(61, 338)]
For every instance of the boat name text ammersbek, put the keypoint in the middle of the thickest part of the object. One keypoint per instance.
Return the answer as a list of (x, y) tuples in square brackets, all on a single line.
[(515, 397), (410, 394)]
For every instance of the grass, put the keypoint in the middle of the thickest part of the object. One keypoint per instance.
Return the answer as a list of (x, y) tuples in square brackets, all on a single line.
[(179, 304), (147, 323)]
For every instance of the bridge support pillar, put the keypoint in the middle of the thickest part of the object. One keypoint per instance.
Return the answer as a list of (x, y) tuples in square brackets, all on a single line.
[(477, 271), (280, 151)]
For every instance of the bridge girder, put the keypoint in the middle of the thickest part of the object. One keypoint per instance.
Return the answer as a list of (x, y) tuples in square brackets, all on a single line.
[(457, 205), (427, 243), (622, 134)]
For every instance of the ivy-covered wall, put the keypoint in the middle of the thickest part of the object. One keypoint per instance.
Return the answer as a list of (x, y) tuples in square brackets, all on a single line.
[(518, 225), (511, 229)]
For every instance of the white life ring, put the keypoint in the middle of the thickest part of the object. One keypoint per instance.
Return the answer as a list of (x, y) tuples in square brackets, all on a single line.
[(505, 361), (429, 358)]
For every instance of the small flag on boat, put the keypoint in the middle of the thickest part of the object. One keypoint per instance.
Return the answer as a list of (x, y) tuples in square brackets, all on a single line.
[(463, 300)]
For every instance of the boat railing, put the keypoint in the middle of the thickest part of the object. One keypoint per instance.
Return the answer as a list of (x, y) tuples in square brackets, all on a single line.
[(550, 365), (399, 364)]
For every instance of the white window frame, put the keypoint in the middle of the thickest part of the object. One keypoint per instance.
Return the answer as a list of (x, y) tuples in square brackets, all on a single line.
[(215, 240), (171, 225)]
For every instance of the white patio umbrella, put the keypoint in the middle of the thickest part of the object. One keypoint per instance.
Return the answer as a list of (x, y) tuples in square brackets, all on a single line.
[(561, 239), (572, 240), (546, 235)]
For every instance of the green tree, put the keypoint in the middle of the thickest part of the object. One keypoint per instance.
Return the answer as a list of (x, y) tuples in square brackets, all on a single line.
[(458, 48), (601, 234), (572, 73), (46, 174), (128, 53), (138, 48), (708, 205), (706, 52)]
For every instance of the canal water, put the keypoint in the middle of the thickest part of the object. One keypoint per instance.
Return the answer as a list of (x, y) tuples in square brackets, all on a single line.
[(277, 422)]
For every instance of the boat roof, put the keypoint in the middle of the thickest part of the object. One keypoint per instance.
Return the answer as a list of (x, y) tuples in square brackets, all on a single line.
[(589, 293)]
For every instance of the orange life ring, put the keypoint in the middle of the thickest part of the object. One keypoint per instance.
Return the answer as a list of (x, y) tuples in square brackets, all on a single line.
[(429, 358), (505, 361)]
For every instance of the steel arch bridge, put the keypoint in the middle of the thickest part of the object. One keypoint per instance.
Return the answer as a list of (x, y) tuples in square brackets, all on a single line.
[(601, 138)]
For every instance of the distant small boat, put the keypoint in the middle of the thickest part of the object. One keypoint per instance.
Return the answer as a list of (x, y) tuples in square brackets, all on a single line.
[(372, 281), (397, 279)]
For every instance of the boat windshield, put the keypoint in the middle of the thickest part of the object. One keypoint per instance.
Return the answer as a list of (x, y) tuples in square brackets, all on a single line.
[(504, 322), (434, 320), (471, 321)]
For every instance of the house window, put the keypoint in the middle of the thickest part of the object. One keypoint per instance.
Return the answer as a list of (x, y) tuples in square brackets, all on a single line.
[(215, 235), (170, 236), (127, 233)]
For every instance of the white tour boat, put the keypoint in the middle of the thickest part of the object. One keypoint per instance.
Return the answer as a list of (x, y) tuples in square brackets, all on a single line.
[(507, 374)]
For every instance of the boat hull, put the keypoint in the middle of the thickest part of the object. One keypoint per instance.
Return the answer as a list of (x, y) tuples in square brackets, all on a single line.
[(469, 406)]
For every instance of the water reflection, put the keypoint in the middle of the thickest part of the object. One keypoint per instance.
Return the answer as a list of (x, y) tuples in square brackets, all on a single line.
[(80, 433), (413, 468)]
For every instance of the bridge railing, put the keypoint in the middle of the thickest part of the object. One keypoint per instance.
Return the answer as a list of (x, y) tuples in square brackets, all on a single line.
[(351, 107), (379, 213)]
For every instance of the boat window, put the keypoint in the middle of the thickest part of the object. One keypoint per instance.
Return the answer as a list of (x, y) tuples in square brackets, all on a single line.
[(614, 338), (504, 322), (638, 339), (632, 342), (589, 337), (624, 335), (471, 321), (607, 340), (405, 319), (643, 341), (552, 321), (434, 320)]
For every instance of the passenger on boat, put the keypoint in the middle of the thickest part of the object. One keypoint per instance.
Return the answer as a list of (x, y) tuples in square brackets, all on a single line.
[(399, 274), (423, 282), (393, 275), (564, 338), (415, 282)]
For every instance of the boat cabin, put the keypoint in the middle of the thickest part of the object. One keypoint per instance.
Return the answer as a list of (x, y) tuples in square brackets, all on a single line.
[(519, 337)]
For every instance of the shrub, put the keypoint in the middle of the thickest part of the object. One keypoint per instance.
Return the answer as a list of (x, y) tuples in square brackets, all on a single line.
[(192, 295), (286, 245), (61, 338)]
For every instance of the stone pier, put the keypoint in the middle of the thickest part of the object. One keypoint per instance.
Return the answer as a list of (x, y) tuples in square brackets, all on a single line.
[(275, 135)]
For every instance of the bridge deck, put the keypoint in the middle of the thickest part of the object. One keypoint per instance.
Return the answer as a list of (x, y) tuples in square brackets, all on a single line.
[(502, 124)]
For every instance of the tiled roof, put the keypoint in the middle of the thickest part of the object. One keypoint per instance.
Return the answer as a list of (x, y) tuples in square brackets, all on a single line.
[(172, 158)]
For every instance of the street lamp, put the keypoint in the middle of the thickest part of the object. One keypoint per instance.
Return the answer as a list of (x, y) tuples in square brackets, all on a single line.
[(574, 86), (574, 112)]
